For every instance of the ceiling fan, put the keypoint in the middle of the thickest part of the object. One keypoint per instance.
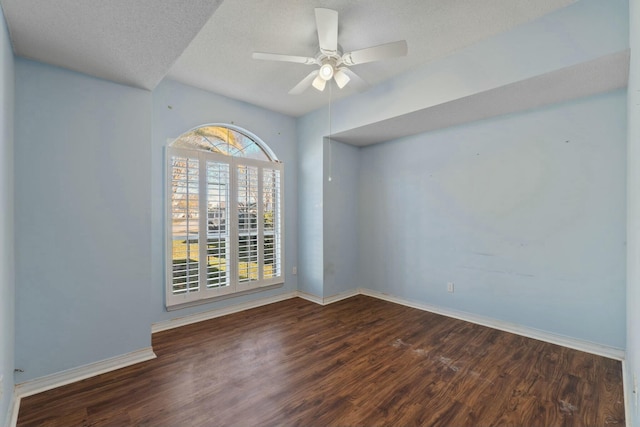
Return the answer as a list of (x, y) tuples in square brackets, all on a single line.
[(333, 63)]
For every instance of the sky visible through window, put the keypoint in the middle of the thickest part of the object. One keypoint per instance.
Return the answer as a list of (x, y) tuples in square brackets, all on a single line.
[(223, 140)]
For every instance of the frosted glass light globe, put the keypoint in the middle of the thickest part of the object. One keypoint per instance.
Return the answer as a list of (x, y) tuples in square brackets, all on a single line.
[(326, 71)]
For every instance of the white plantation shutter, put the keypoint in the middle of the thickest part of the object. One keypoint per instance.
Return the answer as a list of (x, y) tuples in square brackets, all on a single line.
[(271, 247), (217, 224), (225, 225), (184, 224), (247, 224)]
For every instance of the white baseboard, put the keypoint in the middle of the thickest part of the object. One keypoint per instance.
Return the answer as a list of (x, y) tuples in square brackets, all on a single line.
[(69, 376), (341, 296), (628, 404), (218, 312), (310, 297), (12, 414), (212, 314), (576, 344), (328, 300)]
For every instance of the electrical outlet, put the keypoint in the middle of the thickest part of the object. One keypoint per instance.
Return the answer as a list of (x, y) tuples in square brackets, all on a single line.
[(450, 287), (294, 270)]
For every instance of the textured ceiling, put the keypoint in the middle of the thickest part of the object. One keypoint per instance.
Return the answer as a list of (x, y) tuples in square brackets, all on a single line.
[(219, 58), (208, 43), (134, 42)]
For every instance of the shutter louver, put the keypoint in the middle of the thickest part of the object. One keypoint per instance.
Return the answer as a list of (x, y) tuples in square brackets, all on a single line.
[(247, 190), (184, 224), (271, 213), (217, 224)]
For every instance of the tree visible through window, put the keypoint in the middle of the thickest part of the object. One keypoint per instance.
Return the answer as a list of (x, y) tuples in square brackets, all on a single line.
[(224, 212)]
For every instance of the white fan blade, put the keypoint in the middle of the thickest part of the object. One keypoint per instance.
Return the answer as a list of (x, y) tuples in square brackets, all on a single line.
[(356, 81), (341, 77), (327, 24), (319, 83), (304, 83), (285, 58), (376, 53)]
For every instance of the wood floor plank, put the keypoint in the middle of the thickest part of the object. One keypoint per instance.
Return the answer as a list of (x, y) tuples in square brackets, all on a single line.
[(356, 362)]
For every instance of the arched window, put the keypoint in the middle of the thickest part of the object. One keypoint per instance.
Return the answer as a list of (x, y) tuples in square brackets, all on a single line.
[(224, 211)]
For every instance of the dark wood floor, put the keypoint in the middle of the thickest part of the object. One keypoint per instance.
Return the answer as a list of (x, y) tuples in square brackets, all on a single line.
[(360, 361)]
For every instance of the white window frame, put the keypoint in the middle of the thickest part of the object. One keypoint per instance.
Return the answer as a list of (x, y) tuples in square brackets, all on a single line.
[(235, 286)]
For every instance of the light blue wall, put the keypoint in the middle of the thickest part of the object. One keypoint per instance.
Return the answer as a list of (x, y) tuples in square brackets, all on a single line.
[(310, 131), (524, 213), (633, 215), (341, 217), (7, 271), (83, 235), (178, 108)]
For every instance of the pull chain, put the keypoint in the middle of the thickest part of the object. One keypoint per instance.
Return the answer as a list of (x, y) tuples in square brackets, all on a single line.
[(330, 141)]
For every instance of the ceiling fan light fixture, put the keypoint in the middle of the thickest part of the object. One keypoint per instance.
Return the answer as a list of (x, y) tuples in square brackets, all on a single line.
[(326, 72), (319, 83), (341, 78)]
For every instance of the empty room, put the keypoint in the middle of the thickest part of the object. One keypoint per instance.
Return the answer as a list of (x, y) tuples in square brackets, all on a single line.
[(329, 213)]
